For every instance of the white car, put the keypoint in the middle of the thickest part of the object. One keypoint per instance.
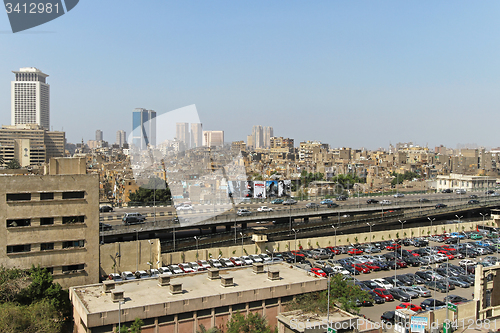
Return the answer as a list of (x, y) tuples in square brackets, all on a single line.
[(382, 283), (164, 270), (237, 261), (215, 263), (264, 209), (385, 202), (340, 269), (226, 262), (399, 195), (142, 274), (185, 207), (186, 268), (204, 264), (265, 258), (115, 277), (153, 272), (466, 262), (256, 258), (196, 267), (128, 275), (246, 260), (175, 269)]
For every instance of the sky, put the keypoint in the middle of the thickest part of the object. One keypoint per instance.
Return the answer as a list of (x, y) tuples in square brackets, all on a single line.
[(348, 73)]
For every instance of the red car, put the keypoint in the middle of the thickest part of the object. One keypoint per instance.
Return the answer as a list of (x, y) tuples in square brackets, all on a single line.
[(318, 272), (297, 253), (382, 292), (446, 253), (354, 251), (413, 253), (334, 250), (411, 306), (361, 268), (372, 267), (401, 263), (393, 247)]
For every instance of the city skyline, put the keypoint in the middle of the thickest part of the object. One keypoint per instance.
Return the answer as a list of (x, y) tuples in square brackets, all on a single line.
[(342, 73)]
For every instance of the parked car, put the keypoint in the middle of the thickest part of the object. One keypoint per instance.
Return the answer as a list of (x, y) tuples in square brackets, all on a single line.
[(131, 218), (399, 195), (127, 275), (326, 201), (318, 272), (204, 264), (255, 258), (289, 202), (371, 201), (385, 202), (115, 277), (312, 205), (341, 198), (411, 306), (388, 317), (215, 263), (277, 201), (104, 226), (384, 293), (376, 298), (248, 261), (175, 269), (422, 291), (164, 270), (455, 299), (141, 274), (432, 304), (440, 205)]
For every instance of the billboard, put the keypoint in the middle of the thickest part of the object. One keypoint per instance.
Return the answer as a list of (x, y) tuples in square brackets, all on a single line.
[(248, 189), (259, 189), (272, 189)]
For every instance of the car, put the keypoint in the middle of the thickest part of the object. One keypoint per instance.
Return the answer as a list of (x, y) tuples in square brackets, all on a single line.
[(131, 218), (409, 290), (186, 268), (332, 205), (473, 196), (376, 298), (458, 282), (384, 293), (184, 207), (432, 304), (104, 226), (196, 267), (382, 283), (105, 209), (243, 212), (154, 273), (326, 201), (264, 209), (354, 251), (411, 306), (247, 261), (175, 269), (460, 191), (495, 194), (447, 190), (438, 285), (341, 198), (289, 202), (277, 201), (422, 291), (476, 236), (127, 275), (466, 262), (371, 249), (164, 270), (385, 202), (392, 247), (115, 277), (237, 261), (371, 201), (312, 205), (388, 317), (141, 274), (318, 272), (398, 195), (423, 200), (226, 262), (473, 202), (440, 205), (455, 299), (255, 258)]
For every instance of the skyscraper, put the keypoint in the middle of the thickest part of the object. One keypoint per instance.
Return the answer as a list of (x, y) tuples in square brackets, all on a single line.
[(30, 98), (213, 138), (143, 128), (182, 134), (121, 138), (196, 135), (98, 135), (258, 136), (268, 134)]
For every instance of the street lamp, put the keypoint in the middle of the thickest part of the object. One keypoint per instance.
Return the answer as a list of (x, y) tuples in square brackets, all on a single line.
[(120, 315), (196, 238), (137, 242), (117, 255), (370, 225), (328, 302), (241, 243), (433, 219), (335, 252), (150, 256), (483, 215), (395, 257), (458, 217), (295, 254)]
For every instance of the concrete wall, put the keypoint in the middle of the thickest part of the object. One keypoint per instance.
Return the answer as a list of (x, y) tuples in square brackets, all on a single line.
[(131, 255)]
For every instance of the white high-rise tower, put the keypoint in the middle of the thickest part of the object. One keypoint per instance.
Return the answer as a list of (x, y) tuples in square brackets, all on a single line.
[(30, 98)]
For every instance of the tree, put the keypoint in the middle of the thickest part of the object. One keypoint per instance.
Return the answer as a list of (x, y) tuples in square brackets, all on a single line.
[(154, 191), (253, 323), (14, 164), (134, 328), (211, 330)]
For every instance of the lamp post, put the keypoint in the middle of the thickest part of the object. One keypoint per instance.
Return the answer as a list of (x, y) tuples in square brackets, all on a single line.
[(395, 257), (174, 238), (335, 253), (458, 217), (295, 254), (433, 219), (241, 243), (120, 315), (117, 255), (370, 225), (137, 254), (150, 256), (196, 238), (483, 215), (328, 302)]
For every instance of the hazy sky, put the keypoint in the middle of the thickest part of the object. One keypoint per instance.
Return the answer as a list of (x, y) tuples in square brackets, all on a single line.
[(348, 73)]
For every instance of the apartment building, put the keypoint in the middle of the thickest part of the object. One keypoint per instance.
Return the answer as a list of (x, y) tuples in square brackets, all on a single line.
[(52, 221)]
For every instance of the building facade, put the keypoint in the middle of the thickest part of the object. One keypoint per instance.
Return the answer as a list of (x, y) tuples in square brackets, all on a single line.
[(213, 138), (121, 138), (30, 98), (196, 135), (182, 134), (98, 135), (51, 221), (143, 128)]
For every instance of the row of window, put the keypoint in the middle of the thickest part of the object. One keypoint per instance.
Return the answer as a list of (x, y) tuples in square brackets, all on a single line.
[(45, 196), (45, 246), (45, 221)]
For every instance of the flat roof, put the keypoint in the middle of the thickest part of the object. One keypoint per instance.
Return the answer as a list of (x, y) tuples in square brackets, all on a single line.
[(143, 292)]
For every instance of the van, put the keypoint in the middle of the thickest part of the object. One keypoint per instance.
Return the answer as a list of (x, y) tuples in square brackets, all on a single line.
[(460, 191), (131, 218)]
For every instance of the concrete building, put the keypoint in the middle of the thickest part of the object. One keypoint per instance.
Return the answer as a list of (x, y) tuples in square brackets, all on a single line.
[(30, 144), (182, 134), (30, 98), (258, 136), (121, 138), (182, 303), (213, 138), (98, 135), (196, 135), (268, 134), (469, 183), (52, 221), (143, 128)]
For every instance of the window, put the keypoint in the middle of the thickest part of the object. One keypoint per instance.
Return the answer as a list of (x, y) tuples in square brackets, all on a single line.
[(18, 248), (50, 269), (72, 244), (255, 304), (46, 220), (46, 246), (222, 309), (46, 196), (18, 223), (73, 195), (18, 196), (185, 315), (204, 313), (239, 307), (73, 219), (73, 268)]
